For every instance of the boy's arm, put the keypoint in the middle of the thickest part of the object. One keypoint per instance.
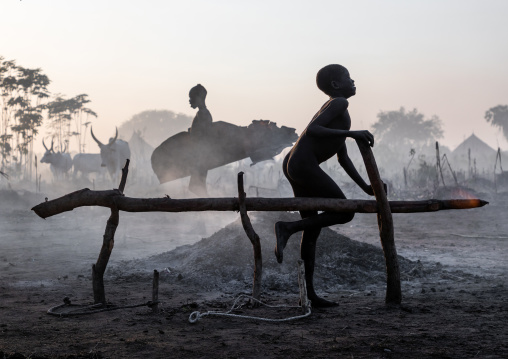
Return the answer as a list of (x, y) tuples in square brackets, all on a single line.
[(336, 107), (350, 169)]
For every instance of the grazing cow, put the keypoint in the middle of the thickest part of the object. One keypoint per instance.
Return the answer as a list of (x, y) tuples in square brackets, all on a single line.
[(114, 154), (60, 162), (87, 163)]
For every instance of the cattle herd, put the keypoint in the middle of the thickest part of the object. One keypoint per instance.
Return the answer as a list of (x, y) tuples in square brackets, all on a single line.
[(111, 158)]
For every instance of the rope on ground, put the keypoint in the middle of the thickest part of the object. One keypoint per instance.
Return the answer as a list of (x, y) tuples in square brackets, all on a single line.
[(90, 309), (195, 316)]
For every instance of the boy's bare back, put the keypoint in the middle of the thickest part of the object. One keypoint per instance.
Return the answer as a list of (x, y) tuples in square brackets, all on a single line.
[(333, 115)]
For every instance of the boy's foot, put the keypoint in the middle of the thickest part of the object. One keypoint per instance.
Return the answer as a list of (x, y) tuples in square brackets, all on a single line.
[(318, 302), (282, 235)]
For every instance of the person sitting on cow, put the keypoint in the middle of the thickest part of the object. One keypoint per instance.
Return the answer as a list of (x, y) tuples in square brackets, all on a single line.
[(203, 118), (324, 137), (199, 129)]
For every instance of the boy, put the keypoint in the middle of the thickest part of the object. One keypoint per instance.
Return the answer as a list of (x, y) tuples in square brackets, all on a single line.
[(203, 118), (324, 137), (199, 129)]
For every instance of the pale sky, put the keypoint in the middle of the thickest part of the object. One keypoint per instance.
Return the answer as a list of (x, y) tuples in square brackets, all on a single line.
[(258, 59)]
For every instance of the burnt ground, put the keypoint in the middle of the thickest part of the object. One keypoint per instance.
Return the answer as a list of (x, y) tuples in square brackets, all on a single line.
[(453, 268)]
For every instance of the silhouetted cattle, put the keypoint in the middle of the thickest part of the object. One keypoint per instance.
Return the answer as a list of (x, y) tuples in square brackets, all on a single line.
[(59, 162), (114, 154), (87, 163)]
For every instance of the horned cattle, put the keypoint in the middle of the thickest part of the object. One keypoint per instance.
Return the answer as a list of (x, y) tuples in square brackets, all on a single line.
[(114, 154), (59, 162), (87, 163)]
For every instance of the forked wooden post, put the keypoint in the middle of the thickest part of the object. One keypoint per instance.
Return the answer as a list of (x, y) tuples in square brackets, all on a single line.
[(385, 223), (98, 269), (254, 239)]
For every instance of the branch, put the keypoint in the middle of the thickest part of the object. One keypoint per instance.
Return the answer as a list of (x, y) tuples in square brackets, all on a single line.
[(112, 198)]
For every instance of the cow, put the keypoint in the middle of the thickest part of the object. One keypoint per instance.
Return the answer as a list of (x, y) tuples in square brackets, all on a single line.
[(87, 163), (60, 162), (114, 154)]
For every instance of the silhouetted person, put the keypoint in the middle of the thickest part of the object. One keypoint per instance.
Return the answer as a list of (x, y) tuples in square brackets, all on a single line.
[(199, 128), (324, 137)]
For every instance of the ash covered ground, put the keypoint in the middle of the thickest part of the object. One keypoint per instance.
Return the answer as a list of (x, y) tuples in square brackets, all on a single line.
[(453, 268)]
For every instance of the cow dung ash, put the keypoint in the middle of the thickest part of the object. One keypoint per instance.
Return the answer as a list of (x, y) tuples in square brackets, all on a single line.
[(225, 261)]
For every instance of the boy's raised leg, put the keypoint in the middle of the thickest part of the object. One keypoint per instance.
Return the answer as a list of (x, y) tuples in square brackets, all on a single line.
[(282, 235)]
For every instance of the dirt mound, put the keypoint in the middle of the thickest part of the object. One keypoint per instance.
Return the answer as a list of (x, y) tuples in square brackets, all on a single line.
[(20, 198), (225, 260)]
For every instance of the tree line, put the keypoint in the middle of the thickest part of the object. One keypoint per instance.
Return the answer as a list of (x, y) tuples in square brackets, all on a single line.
[(26, 103)]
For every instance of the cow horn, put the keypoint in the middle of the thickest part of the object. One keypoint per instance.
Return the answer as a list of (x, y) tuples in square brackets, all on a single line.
[(44, 145), (96, 140), (111, 141)]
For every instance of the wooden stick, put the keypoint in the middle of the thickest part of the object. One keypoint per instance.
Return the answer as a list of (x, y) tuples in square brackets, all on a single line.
[(155, 291), (108, 241), (385, 223), (254, 239), (125, 172), (114, 198), (304, 300), (99, 268)]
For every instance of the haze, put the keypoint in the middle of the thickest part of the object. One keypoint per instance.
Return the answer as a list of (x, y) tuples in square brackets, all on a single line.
[(258, 60)]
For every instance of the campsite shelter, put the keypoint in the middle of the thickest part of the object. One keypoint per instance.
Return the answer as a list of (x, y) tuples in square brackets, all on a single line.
[(471, 153)]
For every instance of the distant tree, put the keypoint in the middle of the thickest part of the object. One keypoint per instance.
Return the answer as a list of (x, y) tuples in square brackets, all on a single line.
[(498, 116), (22, 92), (8, 85), (62, 113), (59, 115), (81, 118), (32, 91), (155, 126), (410, 128)]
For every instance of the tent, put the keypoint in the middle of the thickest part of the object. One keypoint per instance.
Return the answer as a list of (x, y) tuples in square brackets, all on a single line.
[(473, 153)]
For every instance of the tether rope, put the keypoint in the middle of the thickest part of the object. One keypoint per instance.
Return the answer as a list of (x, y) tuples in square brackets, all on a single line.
[(195, 316), (95, 308)]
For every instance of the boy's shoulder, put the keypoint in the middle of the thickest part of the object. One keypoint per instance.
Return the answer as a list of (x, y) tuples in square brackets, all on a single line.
[(339, 102)]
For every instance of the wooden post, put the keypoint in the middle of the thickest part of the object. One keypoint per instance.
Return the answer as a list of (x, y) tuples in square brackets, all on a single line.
[(385, 223), (254, 239), (155, 291), (108, 241), (304, 300), (439, 168), (36, 175)]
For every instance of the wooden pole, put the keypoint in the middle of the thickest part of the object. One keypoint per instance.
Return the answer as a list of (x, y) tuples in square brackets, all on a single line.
[(385, 223), (155, 291), (304, 300), (108, 242), (254, 239), (114, 198), (99, 268)]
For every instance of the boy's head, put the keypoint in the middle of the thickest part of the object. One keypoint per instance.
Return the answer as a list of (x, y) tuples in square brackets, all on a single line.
[(334, 81), (197, 96)]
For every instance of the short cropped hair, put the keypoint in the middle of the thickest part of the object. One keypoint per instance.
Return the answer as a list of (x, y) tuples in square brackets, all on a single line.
[(198, 90), (326, 75)]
